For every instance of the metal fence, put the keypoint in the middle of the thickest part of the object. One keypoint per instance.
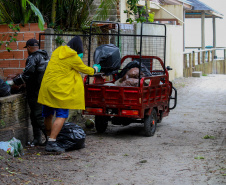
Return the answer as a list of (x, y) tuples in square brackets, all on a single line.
[(140, 40)]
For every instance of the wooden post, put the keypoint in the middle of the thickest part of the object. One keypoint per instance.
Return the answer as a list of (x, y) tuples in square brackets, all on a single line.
[(199, 58), (185, 66), (203, 56), (193, 61), (190, 65), (185, 61), (208, 56), (213, 54), (224, 61)]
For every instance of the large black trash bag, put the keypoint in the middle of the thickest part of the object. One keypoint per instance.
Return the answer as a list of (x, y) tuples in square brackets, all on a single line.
[(71, 137), (133, 64), (108, 56), (4, 89)]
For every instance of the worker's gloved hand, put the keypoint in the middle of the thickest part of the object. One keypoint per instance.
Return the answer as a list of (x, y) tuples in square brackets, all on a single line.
[(97, 68), (80, 55), (9, 82)]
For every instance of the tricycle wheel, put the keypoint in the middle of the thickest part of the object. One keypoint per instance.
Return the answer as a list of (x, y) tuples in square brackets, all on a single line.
[(101, 123), (150, 123)]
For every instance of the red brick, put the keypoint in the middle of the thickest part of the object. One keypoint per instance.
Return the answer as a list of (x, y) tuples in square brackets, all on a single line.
[(12, 45), (4, 63), (14, 63), (21, 45), (19, 37), (8, 72), (22, 63), (2, 74), (11, 30), (34, 27), (5, 36), (42, 45), (29, 35), (18, 54), (37, 36), (4, 28), (25, 55), (6, 55), (25, 27)]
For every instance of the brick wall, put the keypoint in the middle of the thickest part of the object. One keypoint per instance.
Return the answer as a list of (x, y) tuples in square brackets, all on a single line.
[(13, 62)]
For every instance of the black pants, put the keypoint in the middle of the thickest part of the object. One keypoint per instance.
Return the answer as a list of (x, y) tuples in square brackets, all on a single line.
[(37, 121)]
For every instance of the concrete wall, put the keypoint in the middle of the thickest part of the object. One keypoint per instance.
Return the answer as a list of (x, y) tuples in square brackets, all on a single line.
[(176, 10), (123, 16), (14, 118), (160, 14)]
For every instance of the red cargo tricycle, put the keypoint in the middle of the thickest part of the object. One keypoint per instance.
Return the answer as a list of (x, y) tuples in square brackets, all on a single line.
[(146, 103)]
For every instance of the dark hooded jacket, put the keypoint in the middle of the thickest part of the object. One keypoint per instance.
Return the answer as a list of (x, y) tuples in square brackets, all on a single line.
[(76, 44), (32, 75)]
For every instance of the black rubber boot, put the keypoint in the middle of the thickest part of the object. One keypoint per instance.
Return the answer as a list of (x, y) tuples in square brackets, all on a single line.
[(37, 137), (52, 146), (46, 138)]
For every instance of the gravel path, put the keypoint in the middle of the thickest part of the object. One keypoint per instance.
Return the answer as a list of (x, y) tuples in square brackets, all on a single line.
[(177, 153)]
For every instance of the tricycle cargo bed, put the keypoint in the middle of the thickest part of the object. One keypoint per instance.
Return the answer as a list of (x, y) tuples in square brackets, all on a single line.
[(128, 101)]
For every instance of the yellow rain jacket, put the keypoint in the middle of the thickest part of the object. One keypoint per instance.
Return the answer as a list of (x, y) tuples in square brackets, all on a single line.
[(62, 85)]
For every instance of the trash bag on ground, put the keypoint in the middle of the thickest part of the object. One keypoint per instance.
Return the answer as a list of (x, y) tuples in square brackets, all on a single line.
[(133, 64), (108, 56), (71, 137), (12, 147), (4, 89)]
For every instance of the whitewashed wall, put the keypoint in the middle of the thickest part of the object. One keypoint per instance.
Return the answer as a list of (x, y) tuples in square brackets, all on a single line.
[(174, 50)]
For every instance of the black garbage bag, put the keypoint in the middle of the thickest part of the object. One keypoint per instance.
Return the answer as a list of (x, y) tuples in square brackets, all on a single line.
[(134, 63), (71, 137), (108, 56), (4, 89)]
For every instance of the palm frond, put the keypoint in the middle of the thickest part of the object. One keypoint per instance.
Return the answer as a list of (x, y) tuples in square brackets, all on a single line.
[(102, 12)]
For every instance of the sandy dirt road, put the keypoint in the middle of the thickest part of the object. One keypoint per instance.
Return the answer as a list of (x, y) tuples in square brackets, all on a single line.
[(177, 153)]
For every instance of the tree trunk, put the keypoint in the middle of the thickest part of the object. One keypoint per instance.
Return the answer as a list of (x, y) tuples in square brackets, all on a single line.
[(53, 16)]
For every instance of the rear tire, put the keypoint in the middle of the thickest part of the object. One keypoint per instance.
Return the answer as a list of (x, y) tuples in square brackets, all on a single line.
[(101, 123), (150, 123)]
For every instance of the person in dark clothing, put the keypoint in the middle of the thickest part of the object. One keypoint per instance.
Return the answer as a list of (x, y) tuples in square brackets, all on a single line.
[(36, 64)]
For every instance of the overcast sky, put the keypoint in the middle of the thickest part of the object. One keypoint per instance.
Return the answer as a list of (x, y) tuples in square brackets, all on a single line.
[(193, 27)]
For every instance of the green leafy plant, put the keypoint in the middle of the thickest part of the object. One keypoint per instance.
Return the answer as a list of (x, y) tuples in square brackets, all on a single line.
[(208, 137), (141, 13), (2, 122), (19, 12), (41, 21), (15, 29), (199, 157), (59, 40), (103, 10)]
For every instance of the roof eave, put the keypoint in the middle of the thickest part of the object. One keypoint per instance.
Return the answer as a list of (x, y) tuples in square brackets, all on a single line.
[(197, 14)]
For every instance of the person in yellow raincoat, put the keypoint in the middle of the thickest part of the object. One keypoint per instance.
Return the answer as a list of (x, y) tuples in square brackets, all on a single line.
[(62, 88)]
